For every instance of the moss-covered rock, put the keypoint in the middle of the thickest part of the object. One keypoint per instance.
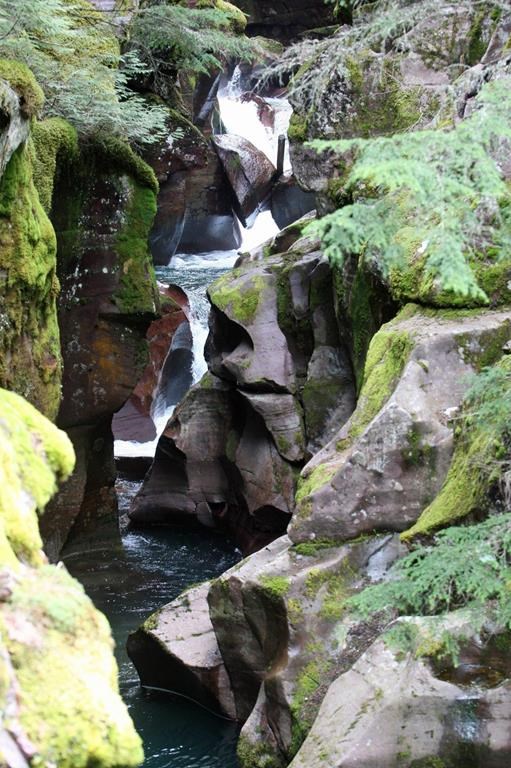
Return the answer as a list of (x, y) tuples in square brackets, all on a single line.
[(474, 473), (30, 361), (34, 455), (58, 688), (55, 143), (30, 93), (389, 461)]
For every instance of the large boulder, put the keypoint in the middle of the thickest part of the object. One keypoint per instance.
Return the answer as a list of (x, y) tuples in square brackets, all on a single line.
[(59, 696), (390, 459), (365, 91), (249, 171), (176, 649), (415, 713)]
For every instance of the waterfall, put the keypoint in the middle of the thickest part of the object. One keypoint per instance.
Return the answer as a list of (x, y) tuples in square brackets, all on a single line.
[(245, 115), (261, 121)]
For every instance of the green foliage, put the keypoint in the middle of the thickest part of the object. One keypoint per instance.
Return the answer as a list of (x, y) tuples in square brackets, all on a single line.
[(76, 59), (193, 39), (481, 459), (464, 567), (448, 183)]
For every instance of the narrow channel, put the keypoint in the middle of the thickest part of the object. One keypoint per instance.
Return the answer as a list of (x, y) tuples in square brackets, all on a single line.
[(130, 574)]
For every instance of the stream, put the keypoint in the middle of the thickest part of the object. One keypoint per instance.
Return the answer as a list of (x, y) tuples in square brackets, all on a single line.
[(128, 577), (130, 574)]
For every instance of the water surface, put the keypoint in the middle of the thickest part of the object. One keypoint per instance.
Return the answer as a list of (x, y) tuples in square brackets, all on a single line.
[(130, 576)]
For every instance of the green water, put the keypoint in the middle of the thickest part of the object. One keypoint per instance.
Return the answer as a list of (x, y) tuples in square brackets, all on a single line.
[(130, 576)]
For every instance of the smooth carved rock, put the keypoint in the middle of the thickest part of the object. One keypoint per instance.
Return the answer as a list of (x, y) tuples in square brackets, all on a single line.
[(286, 609), (170, 359), (177, 649), (249, 171), (259, 358), (108, 299), (385, 465), (388, 706), (283, 418), (217, 464)]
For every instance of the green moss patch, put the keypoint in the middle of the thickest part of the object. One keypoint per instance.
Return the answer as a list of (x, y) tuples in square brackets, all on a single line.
[(30, 358), (21, 79), (34, 455), (56, 143), (239, 300)]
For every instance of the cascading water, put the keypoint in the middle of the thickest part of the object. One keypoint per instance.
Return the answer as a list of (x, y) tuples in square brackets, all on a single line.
[(130, 577)]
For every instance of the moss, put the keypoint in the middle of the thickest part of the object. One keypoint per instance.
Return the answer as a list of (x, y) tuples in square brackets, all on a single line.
[(464, 490), (488, 348), (117, 155), (495, 280), (335, 593), (477, 44), (387, 356), (382, 103), (55, 648), (55, 143), (239, 302), (312, 548), (66, 676), (298, 128), (34, 456), (319, 476), (136, 293), (277, 586), (30, 359), (24, 83), (310, 686), (256, 755), (151, 622)]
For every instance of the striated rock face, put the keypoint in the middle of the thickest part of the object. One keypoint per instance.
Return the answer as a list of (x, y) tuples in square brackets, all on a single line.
[(231, 453), (59, 696), (103, 210)]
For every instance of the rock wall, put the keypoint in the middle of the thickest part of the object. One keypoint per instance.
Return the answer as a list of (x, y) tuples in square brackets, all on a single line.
[(30, 360), (59, 697), (104, 203), (285, 20)]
